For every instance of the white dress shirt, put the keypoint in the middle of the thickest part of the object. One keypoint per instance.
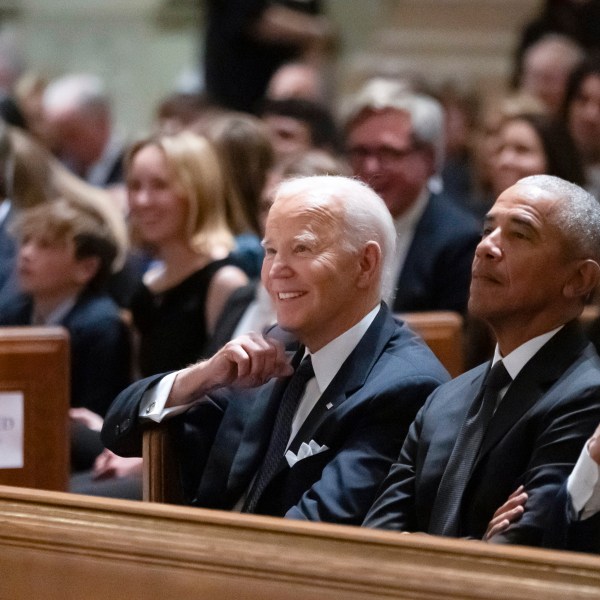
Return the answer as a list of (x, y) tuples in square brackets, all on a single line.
[(583, 486), (405, 226), (520, 356)]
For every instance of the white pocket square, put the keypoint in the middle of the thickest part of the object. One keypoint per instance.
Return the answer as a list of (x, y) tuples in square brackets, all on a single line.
[(305, 450)]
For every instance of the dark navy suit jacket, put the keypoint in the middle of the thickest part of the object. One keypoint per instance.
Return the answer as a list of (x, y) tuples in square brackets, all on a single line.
[(437, 271), (564, 532), (534, 439), (362, 418), (99, 347)]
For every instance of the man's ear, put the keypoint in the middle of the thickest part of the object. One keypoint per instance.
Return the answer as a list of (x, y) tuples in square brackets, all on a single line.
[(370, 264), (583, 281), (86, 269)]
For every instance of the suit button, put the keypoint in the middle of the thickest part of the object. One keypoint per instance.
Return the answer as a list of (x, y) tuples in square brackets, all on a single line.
[(117, 429), (125, 425)]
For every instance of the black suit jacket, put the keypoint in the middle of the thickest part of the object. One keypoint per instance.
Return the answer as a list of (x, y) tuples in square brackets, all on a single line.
[(534, 439), (362, 418), (565, 532), (437, 271)]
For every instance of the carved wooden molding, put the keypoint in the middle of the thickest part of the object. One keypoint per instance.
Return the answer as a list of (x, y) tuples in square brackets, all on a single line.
[(57, 546)]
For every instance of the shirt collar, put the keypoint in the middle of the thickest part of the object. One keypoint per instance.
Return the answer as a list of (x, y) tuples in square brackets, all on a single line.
[(58, 314), (520, 356), (4, 209), (328, 360)]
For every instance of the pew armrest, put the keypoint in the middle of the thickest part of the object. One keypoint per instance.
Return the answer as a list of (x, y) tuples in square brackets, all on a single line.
[(161, 482)]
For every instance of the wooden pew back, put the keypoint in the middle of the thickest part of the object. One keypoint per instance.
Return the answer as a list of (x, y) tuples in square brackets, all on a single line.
[(60, 546), (443, 332), (35, 361)]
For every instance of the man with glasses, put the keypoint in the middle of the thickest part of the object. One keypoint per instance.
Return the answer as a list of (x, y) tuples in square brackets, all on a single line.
[(395, 144)]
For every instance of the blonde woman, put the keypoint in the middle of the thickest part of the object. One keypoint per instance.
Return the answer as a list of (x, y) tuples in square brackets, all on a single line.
[(176, 208)]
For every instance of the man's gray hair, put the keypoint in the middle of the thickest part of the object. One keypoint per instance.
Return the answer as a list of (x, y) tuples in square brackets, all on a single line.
[(426, 114), (577, 215), (80, 91), (365, 217)]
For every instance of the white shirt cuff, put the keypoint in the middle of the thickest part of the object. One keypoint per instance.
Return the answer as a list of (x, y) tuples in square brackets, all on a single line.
[(152, 406), (583, 486)]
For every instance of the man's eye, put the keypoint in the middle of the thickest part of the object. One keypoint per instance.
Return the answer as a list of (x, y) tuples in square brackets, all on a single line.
[(486, 231), (300, 248)]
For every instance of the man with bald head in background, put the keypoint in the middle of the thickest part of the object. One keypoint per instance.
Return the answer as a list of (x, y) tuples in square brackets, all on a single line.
[(524, 420), (315, 445)]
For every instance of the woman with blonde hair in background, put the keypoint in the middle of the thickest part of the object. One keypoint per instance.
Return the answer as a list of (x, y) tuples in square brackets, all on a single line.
[(176, 202)]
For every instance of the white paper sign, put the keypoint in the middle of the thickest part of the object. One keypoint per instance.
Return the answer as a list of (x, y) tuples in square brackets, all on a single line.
[(11, 430)]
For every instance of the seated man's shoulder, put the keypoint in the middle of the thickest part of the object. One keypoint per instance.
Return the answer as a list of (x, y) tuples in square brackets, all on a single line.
[(407, 356), (96, 314)]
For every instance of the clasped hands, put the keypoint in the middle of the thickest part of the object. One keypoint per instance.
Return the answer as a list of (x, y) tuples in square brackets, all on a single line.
[(247, 361)]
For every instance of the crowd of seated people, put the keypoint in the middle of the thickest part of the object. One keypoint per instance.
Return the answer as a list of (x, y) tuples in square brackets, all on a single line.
[(165, 250)]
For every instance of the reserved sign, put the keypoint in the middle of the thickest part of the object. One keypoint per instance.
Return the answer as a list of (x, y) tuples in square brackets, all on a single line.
[(11, 430)]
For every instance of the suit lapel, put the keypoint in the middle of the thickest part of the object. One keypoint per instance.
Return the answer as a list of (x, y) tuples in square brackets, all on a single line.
[(351, 376), (533, 381)]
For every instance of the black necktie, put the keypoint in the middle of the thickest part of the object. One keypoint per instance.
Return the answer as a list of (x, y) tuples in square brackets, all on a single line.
[(281, 432), (445, 515)]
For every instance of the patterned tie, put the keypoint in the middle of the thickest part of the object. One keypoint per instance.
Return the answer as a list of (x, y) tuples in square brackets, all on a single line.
[(281, 432), (445, 515)]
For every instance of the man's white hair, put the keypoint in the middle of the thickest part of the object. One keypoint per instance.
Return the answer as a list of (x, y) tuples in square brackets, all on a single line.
[(75, 92), (365, 216)]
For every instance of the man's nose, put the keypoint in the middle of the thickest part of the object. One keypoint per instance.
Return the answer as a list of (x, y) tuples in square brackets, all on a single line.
[(489, 246), (279, 267)]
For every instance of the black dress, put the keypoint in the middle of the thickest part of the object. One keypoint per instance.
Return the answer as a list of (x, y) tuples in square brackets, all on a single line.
[(172, 324)]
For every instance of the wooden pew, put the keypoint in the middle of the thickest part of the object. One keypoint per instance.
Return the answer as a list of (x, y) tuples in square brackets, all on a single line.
[(443, 332), (35, 361), (56, 546)]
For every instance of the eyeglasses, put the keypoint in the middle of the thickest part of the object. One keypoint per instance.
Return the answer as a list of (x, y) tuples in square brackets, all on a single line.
[(386, 155)]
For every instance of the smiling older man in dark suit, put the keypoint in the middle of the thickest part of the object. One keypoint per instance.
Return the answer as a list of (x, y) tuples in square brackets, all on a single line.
[(318, 444), (475, 442)]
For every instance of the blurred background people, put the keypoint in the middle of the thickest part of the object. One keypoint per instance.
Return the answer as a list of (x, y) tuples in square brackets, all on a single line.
[(245, 152), (77, 112), (247, 40), (534, 144), (547, 65), (296, 125), (581, 112)]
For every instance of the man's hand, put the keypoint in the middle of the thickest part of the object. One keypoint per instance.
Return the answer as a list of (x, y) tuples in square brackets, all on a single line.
[(594, 445), (508, 513), (108, 466), (86, 417), (247, 361)]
